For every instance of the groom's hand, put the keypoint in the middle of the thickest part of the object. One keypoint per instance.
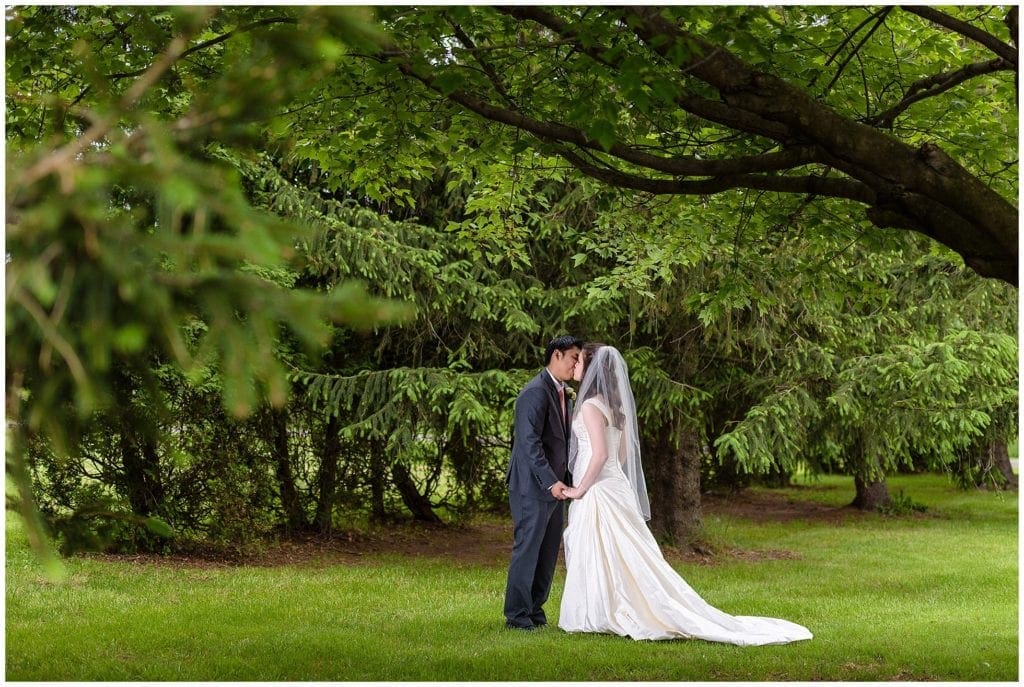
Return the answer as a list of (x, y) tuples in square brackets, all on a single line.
[(558, 491)]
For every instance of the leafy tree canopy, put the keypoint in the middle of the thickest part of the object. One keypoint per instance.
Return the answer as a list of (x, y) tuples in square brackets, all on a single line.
[(908, 112)]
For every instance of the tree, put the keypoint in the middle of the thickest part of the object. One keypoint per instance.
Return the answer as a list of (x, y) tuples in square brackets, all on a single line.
[(701, 100), (918, 364), (125, 235), (294, 166), (635, 99)]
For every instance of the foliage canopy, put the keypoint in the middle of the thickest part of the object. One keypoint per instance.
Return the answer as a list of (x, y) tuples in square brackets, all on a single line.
[(266, 264)]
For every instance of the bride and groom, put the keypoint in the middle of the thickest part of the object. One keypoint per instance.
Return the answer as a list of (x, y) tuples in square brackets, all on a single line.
[(617, 580)]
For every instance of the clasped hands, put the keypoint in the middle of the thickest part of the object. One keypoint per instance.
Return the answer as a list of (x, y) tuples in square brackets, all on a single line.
[(562, 491)]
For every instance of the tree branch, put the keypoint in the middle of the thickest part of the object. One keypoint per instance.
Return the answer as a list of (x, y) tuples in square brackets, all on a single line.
[(712, 110), (887, 160), (880, 17), (488, 68), (211, 42), (904, 186), (554, 23), (937, 84), (680, 166), (849, 38), (1007, 52), (817, 185), (57, 161)]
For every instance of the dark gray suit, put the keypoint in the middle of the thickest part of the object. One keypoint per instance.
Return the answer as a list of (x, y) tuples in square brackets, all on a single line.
[(540, 448)]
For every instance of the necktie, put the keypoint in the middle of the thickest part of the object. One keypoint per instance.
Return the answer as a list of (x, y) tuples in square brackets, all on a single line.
[(561, 397)]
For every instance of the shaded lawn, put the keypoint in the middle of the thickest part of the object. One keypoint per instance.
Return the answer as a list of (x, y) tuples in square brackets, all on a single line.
[(905, 598)]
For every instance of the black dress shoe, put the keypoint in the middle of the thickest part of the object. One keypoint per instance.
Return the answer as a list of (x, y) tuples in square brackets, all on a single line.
[(524, 628)]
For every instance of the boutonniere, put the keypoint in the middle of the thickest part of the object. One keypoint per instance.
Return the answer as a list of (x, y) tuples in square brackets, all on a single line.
[(571, 393)]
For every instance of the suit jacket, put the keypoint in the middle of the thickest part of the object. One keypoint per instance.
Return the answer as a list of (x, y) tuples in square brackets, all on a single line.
[(540, 440)]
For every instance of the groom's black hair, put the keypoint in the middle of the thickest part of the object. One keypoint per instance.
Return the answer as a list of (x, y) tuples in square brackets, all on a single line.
[(562, 343)]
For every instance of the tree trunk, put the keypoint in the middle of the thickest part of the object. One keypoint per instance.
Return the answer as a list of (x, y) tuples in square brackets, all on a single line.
[(377, 481), (139, 457), (141, 464), (871, 494), (327, 481), (869, 481), (295, 519), (1001, 458), (673, 482), (418, 504)]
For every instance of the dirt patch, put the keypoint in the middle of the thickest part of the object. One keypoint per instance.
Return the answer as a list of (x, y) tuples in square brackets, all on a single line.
[(485, 543), (766, 506), (478, 544)]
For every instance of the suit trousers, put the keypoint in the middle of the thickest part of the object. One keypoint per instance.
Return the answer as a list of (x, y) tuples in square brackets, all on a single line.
[(536, 538)]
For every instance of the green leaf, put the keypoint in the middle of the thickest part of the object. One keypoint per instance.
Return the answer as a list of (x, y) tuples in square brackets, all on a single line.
[(159, 527), (130, 338), (602, 131), (448, 82)]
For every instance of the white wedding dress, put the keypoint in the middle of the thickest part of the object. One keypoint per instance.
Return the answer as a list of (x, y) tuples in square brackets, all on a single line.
[(617, 580)]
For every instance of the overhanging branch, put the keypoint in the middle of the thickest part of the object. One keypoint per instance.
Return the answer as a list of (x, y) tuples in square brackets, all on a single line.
[(817, 185), (938, 84), (711, 110), (195, 48), (487, 67), (916, 187), (879, 18), (1007, 52), (679, 166)]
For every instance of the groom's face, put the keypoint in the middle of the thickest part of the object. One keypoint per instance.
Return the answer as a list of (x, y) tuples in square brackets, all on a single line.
[(563, 363)]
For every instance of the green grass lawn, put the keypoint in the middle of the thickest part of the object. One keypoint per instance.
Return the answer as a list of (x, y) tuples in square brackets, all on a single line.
[(930, 597)]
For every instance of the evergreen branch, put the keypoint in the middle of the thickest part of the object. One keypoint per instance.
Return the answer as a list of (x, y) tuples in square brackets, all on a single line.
[(306, 376)]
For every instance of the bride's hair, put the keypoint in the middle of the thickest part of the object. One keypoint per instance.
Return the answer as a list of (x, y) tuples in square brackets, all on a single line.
[(588, 353), (612, 400)]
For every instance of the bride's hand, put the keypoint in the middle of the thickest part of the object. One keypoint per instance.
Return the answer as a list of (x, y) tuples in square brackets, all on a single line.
[(575, 492)]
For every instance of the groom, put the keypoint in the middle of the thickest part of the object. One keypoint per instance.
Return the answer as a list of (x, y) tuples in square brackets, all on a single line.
[(537, 475)]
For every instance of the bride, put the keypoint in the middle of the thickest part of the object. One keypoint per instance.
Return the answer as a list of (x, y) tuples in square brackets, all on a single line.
[(617, 581)]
